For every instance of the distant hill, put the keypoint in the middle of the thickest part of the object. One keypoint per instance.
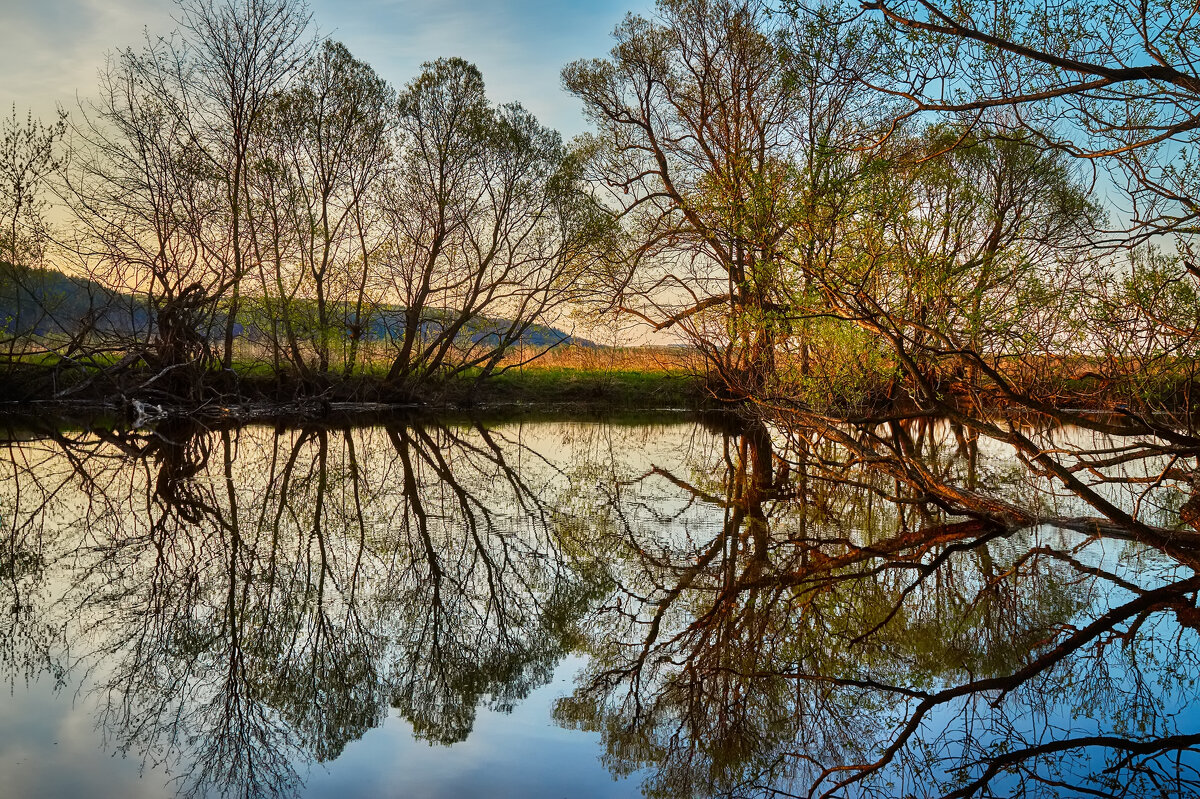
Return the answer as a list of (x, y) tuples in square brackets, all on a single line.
[(47, 302)]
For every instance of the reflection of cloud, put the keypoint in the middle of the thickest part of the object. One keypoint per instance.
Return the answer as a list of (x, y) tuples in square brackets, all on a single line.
[(53, 751), (52, 49)]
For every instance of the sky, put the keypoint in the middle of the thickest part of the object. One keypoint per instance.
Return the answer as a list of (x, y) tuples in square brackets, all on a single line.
[(52, 50)]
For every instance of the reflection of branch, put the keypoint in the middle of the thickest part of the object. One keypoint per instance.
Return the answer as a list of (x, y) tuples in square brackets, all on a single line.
[(1007, 760), (726, 634), (923, 569), (1150, 600), (695, 491), (265, 579)]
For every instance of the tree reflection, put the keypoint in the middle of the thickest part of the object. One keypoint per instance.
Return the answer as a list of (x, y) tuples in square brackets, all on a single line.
[(260, 598), (896, 607), (882, 611)]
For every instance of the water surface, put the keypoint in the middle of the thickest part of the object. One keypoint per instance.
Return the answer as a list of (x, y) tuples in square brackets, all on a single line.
[(676, 608)]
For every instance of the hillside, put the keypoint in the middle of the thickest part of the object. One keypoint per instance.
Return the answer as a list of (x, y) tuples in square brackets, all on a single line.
[(47, 302)]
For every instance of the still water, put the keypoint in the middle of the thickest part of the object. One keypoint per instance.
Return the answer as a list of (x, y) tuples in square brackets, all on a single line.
[(675, 607)]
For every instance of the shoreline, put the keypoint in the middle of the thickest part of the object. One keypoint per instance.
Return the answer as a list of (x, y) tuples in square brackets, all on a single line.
[(556, 390)]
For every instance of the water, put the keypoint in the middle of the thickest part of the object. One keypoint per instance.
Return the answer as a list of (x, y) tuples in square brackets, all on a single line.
[(578, 609)]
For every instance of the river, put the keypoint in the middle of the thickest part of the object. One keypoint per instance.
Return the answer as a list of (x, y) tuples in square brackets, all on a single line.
[(664, 606)]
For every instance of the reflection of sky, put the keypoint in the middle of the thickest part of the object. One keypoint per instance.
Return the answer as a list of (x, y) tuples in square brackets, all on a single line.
[(521, 754), (55, 752), (49, 747), (52, 745), (51, 50), (1098, 691)]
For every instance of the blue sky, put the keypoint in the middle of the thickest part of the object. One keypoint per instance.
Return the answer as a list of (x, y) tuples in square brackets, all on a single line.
[(51, 50)]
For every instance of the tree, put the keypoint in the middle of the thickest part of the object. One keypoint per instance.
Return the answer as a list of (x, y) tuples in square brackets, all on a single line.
[(695, 152), (28, 159), (975, 258), (1113, 83), (244, 53), (325, 145), (161, 193), (728, 146), (1123, 75), (488, 227), (1116, 85)]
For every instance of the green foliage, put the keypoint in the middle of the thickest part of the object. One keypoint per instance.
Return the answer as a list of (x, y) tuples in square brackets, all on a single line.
[(851, 368), (28, 160)]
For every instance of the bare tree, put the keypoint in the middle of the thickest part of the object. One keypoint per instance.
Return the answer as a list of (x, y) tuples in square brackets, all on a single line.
[(244, 52), (161, 193), (1123, 76)]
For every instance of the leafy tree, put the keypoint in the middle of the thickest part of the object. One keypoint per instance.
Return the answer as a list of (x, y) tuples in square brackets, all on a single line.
[(325, 145), (486, 220), (696, 151), (985, 255)]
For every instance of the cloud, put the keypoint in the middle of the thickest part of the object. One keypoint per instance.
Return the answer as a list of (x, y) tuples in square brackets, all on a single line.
[(52, 50)]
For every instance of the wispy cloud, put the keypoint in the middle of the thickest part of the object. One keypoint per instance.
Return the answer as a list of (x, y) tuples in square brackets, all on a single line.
[(51, 50)]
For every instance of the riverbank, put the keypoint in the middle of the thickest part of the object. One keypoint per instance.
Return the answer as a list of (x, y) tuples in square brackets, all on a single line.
[(595, 377), (527, 391), (576, 378)]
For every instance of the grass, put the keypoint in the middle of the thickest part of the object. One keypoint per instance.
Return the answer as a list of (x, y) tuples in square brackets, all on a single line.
[(601, 378), (617, 388), (616, 377), (628, 378), (666, 360)]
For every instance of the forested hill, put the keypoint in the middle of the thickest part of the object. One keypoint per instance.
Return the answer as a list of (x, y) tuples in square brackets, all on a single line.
[(47, 302)]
